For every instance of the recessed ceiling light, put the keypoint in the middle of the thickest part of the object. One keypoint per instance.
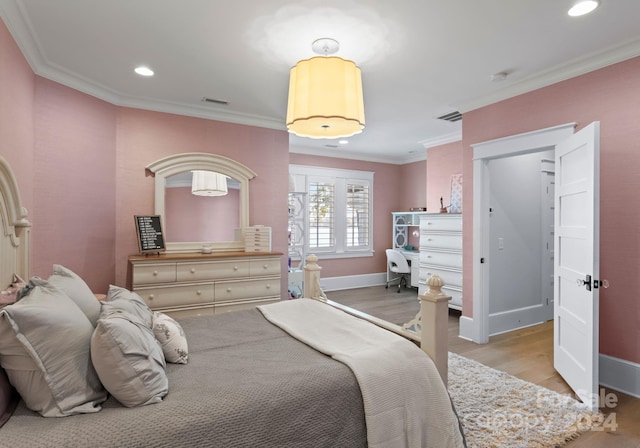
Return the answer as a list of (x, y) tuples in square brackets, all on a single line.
[(344, 142), (143, 71), (583, 7)]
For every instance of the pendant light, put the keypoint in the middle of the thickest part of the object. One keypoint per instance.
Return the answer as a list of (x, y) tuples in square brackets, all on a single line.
[(208, 183), (325, 95)]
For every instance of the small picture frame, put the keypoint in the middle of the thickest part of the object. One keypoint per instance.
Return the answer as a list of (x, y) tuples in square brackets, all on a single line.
[(149, 233)]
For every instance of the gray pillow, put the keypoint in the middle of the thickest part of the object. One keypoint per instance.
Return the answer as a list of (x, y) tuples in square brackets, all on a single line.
[(125, 353), (121, 300), (45, 348), (77, 290)]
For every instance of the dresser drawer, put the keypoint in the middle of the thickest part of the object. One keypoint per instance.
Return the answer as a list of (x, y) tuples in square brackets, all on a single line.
[(450, 278), (246, 289), (172, 296), (154, 273), (440, 223), (441, 258), (267, 266), (191, 272), (436, 241)]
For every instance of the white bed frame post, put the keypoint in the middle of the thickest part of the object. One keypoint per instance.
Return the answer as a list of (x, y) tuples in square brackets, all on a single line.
[(311, 286), (434, 311)]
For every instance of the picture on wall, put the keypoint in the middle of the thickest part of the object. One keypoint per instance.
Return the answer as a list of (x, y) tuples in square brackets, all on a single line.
[(456, 194)]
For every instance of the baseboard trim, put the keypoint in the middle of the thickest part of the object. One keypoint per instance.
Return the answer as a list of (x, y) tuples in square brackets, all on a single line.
[(511, 320), (466, 328), (353, 281), (620, 374)]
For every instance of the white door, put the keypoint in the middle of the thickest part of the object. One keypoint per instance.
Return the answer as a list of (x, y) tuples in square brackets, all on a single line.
[(576, 262)]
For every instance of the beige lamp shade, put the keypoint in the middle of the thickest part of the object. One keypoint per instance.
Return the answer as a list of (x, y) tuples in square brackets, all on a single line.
[(325, 98), (208, 183)]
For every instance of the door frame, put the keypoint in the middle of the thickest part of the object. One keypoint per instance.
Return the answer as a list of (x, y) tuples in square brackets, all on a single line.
[(483, 153)]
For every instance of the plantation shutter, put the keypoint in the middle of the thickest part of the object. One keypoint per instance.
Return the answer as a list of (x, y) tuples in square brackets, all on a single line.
[(357, 214), (321, 215)]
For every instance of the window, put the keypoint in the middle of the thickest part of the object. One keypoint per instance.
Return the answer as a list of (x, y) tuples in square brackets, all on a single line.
[(340, 208)]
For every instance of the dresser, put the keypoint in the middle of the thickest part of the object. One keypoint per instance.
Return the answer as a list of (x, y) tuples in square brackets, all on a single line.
[(441, 254), (194, 284)]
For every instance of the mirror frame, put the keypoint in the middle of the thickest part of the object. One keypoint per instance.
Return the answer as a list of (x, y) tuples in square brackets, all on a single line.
[(179, 163)]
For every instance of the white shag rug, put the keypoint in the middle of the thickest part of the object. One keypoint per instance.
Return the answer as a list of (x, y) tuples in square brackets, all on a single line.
[(499, 410)]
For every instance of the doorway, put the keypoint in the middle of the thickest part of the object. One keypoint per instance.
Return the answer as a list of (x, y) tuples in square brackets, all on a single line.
[(485, 154), (520, 234)]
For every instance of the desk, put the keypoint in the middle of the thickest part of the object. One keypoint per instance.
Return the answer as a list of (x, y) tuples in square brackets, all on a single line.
[(413, 257)]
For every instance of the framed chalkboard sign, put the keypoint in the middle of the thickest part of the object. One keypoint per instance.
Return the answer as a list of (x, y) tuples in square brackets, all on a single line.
[(149, 231)]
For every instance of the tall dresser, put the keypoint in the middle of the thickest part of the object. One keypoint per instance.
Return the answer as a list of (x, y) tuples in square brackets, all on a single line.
[(441, 253), (193, 284)]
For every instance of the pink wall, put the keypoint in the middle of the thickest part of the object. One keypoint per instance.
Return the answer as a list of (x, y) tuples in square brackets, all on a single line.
[(16, 114), (612, 96), (442, 162), (200, 218), (74, 184), (413, 181), (396, 187), (144, 136)]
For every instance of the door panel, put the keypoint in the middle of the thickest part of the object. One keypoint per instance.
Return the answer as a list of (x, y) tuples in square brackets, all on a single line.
[(576, 262)]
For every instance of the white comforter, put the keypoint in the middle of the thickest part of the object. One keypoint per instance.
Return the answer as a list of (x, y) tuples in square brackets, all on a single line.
[(405, 401)]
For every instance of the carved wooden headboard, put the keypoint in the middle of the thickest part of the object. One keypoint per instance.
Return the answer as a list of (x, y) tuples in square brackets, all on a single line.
[(14, 237)]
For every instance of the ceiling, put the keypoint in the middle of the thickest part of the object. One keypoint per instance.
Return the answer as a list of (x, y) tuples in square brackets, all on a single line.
[(420, 59)]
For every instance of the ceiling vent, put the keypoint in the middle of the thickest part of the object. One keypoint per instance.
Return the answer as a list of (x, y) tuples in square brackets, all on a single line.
[(452, 117), (214, 101)]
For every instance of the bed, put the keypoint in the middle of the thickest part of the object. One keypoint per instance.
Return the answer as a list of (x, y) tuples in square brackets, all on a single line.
[(281, 375)]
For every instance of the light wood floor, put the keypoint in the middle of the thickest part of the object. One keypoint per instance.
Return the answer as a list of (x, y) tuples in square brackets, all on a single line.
[(525, 353)]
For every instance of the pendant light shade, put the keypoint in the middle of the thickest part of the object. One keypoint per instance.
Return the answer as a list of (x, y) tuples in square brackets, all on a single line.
[(325, 98), (208, 183)]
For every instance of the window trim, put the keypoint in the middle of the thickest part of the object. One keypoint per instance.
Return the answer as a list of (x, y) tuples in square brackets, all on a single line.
[(301, 175)]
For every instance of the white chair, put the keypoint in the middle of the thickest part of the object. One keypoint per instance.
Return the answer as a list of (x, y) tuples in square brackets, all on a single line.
[(399, 266)]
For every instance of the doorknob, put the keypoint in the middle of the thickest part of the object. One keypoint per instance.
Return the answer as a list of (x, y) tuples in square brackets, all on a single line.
[(601, 284), (586, 282)]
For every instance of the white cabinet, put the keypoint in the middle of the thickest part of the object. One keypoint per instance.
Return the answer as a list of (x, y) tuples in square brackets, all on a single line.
[(194, 284), (441, 254), (404, 225)]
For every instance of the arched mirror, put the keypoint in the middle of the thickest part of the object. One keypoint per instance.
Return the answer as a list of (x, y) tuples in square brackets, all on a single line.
[(203, 201)]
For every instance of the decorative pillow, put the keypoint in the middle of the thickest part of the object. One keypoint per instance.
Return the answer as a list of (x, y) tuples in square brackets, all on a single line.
[(8, 398), (9, 295), (45, 348), (171, 337), (125, 353), (77, 290)]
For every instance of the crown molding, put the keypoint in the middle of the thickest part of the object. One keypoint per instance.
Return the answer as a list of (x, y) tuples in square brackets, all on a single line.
[(571, 69)]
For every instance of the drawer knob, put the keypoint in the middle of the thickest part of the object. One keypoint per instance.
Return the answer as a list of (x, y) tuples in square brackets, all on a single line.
[(155, 273), (429, 223), (429, 239), (235, 268), (199, 292), (228, 289), (151, 297), (268, 286), (193, 271), (264, 266)]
